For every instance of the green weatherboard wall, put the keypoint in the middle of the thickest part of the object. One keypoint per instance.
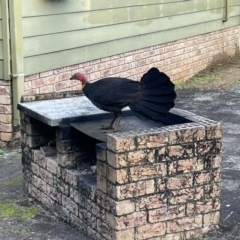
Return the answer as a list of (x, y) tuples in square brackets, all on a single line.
[(59, 33), (1, 42)]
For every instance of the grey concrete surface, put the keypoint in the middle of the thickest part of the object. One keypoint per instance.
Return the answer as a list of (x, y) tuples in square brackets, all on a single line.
[(56, 111), (39, 224)]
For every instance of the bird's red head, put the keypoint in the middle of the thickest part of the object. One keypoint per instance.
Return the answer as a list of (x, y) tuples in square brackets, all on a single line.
[(79, 76)]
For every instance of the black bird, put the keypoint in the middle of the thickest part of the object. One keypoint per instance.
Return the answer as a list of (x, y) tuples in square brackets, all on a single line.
[(149, 99)]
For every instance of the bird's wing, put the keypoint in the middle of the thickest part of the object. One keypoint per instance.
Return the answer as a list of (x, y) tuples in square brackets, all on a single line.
[(113, 92)]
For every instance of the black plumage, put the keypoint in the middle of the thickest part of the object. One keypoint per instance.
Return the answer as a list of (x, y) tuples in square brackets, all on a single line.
[(149, 99)]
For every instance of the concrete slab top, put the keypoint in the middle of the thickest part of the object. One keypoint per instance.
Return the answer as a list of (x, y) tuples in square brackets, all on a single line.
[(66, 110)]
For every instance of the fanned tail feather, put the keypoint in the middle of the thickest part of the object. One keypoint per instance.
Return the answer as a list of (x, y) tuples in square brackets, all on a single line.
[(158, 96)]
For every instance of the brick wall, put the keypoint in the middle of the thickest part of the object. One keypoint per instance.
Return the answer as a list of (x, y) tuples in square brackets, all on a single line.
[(7, 132), (161, 183), (180, 60)]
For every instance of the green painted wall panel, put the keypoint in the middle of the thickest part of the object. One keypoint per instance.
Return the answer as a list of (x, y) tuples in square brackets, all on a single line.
[(38, 7), (0, 9), (1, 25), (75, 21), (1, 50), (1, 69), (64, 58), (62, 41), (48, 7)]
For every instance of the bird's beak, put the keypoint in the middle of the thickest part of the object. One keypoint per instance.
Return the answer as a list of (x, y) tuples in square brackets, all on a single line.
[(71, 78)]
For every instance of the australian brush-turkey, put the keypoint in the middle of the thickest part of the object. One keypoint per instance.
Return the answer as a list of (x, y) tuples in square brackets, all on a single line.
[(149, 99)]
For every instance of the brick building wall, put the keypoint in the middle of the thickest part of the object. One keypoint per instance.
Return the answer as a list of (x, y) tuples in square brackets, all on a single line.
[(180, 59)]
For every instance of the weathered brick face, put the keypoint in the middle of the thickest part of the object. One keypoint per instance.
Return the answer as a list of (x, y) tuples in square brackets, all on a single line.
[(161, 183)]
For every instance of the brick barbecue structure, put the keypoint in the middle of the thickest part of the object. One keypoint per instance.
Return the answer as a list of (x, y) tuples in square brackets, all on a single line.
[(159, 183)]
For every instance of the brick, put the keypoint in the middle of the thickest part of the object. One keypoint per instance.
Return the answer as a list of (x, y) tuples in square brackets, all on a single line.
[(6, 109), (147, 172), (179, 151), (5, 99), (101, 169), (211, 218), (217, 175), (35, 169), (185, 166), (212, 190), (207, 206), (101, 151), (150, 230), (39, 184), (130, 158), (120, 144), (166, 213), (117, 208), (6, 136), (102, 184), (188, 134), (4, 90), (151, 202), (174, 183), (152, 140), (104, 230), (190, 208), (46, 89), (208, 147), (94, 76), (31, 77), (47, 201), (124, 207), (211, 161), (38, 83), (185, 195), (74, 194), (127, 221), (47, 176), (131, 189), (203, 177), (53, 167), (65, 75), (71, 177), (5, 118), (46, 73), (39, 158), (54, 194), (184, 224), (34, 192), (61, 186), (176, 236), (117, 176), (70, 205), (124, 234)]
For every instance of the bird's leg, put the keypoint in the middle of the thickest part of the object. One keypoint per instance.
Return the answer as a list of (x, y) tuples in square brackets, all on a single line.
[(117, 117), (111, 124)]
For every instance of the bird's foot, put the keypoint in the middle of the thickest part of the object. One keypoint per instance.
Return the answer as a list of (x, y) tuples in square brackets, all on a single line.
[(112, 130), (106, 127)]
